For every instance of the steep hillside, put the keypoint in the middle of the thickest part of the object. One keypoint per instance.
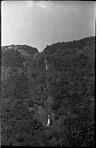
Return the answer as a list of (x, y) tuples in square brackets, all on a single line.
[(71, 78), (14, 61), (22, 80), (56, 84)]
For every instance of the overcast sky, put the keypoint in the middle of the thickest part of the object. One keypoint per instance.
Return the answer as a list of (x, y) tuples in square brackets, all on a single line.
[(43, 23)]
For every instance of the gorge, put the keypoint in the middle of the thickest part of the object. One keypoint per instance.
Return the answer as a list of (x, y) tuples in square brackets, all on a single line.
[(48, 98)]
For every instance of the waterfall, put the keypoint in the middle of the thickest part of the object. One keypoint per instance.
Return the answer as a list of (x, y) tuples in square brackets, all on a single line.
[(46, 66), (48, 121)]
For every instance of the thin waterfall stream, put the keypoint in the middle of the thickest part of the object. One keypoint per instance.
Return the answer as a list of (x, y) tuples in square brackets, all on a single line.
[(48, 121), (43, 113)]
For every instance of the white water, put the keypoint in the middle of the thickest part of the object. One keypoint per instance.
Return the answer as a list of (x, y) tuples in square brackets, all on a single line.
[(46, 66), (48, 122)]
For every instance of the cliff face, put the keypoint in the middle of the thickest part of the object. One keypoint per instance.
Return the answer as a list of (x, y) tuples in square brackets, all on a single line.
[(57, 85)]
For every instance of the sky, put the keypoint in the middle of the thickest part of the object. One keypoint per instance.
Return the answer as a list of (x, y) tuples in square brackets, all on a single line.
[(42, 23)]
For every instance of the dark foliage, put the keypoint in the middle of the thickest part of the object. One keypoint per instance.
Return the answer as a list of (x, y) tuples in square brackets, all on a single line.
[(69, 81), (72, 84)]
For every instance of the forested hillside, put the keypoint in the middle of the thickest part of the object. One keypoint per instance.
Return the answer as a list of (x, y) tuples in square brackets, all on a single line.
[(56, 84), (72, 85)]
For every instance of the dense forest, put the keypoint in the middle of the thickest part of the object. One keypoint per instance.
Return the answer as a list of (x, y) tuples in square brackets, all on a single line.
[(48, 98)]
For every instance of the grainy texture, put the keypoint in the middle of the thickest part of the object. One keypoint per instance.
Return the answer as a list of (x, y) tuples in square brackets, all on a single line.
[(58, 83)]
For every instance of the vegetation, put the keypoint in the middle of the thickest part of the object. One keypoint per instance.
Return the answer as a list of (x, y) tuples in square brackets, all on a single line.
[(72, 82), (66, 90)]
